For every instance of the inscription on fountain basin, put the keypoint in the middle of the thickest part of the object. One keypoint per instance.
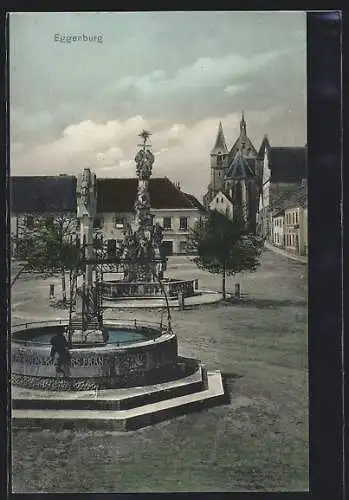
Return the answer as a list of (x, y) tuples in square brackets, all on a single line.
[(96, 363)]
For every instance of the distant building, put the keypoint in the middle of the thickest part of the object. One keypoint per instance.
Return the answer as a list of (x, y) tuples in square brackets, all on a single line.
[(284, 169), (222, 203), (36, 198), (290, 223), (43, 197), (236, 173), (175, 210), (278, 235)]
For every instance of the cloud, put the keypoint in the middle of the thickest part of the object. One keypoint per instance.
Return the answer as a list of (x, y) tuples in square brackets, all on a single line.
[(205, 72), (182, 151)]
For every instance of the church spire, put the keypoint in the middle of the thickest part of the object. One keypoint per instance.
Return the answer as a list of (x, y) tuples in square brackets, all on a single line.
[(220, 146), (243, 125)]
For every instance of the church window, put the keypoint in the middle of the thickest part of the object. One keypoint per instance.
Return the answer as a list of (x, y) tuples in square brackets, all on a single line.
[(222, 199)]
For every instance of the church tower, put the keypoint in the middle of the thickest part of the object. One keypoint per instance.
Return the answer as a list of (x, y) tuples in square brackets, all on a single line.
[(219, 155)]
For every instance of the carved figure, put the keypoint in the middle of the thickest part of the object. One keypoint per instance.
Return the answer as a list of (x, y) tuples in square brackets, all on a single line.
[(85, 188)]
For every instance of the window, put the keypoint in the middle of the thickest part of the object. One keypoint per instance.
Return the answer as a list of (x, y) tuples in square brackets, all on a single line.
[(221, 199), (167, 223), (98, 223), (29, 222), (296, 217), (183, 223), (119, 222)]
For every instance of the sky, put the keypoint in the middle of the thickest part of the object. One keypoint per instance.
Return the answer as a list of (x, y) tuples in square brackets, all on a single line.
[(83, 103)]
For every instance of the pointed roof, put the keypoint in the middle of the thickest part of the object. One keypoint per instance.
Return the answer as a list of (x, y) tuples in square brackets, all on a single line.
[(243, 142), (265, 144), (242, 126), (220, 146), (240, 167)]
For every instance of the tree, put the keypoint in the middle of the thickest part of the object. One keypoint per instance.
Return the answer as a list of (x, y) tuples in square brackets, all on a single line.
[(54, 247), (224, 246)]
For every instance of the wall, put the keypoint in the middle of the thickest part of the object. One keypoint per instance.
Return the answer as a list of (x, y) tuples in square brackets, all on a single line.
[(109, 229), (175, 235), (221, 204), (293, 239), (278, 231)]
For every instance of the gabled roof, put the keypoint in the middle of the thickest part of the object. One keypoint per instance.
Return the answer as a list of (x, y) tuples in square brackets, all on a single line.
[(243, 142), (195, 202), (264, 145), (43, 194), (119, 195), (52, 194), (240, 167), (287, 164), (220, 146), (222, 193)]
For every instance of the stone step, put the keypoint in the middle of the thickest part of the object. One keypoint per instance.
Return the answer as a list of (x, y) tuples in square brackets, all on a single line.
[(124, 420), (117, 399)]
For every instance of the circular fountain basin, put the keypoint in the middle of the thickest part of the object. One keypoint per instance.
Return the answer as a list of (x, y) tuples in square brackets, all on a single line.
[(134, 354), (118, 289)]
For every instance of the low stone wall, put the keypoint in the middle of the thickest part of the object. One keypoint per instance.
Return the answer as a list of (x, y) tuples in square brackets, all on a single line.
[(108, 366), (116, 289)]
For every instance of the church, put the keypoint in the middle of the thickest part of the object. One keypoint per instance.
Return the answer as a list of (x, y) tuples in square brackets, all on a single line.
[(236, 177)]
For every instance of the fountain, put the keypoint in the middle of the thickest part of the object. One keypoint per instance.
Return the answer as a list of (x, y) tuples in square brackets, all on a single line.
[(117, 374), (140, 253)]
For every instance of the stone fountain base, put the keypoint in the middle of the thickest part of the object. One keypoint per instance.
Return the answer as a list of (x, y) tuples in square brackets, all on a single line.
[(118, 409), (118, 289)]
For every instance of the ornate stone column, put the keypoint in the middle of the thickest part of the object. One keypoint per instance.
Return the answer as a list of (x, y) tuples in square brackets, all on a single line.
[(142, 240)]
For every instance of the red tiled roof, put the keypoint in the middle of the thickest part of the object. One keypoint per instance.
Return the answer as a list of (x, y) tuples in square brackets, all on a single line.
[(119, 195)]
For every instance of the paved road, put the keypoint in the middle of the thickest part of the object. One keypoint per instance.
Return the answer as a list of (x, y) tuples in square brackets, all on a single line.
[(288, 255)]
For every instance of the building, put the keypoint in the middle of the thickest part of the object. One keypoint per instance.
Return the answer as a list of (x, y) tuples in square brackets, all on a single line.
[(35, 198), (222, 203), (175, 210), (41, 197), (278, 224), (284, 169), (290, 225), (236, 173)]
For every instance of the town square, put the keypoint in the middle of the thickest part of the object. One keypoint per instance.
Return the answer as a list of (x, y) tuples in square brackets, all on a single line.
[(159, 253)]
